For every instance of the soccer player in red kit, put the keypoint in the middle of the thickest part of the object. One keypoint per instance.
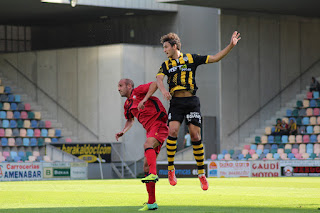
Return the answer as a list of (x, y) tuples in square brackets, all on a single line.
[(152, 115)]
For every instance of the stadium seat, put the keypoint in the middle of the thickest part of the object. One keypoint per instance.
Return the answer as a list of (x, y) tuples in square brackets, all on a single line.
[(6, 106), (34, 124), (312, 156), (284, 156), (284, 139), (316, 129), (5, 124), (280, 151), (18, 141), (265, 151), (253, 146), (20, 123), (33, 142), (277, 139), (37, 133), (259, 152), (16, 115), (30, 133), (32, 158), (8, 133), (298, 156), (313, 103), (306, 139), (11, 142), (13, 106), (294, 150), (213, 157), (305, 121), (227, 157), (313, 120), (309, 95), (306, 103), (315, 94), (48, 124), (270, 139), (9, 115), (252, 151), (51, 132), (13, 124), (23, 132), (316, 111), (288, 146), (20, 106), (309, 112), (44, 132), (231, 151), (41, 124), (24, 115), (276, 156), (299, 104), (47, 140), (26, 124), (220, 156), (295, 113), (2, 132), (291, 156), (313, 138), (3, 115), (46, 158), (39, 159), (264, 139), (5, 154), (224, 151), (292, 139), (17, 98), (245, 152), (289, 112), (299, 138), (30, 115), (309, 129), (26, 141), (17, 159), (37, 115), (40, 141), (267, 130), (299, 121), (27, 106), (269, 156)]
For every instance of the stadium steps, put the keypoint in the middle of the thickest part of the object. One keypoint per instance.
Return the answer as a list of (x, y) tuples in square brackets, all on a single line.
[(35, 106), (271, 122), (117, 168)]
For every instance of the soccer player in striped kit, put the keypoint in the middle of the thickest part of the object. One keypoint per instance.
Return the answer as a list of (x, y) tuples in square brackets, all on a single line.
[(184, 104)]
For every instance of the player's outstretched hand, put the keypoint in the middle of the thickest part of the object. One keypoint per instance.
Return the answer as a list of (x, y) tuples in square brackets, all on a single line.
[(235, 38), (118, 135)]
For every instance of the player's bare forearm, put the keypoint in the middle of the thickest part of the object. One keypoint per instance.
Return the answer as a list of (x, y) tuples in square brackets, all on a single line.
[(152, 88), (163, 90), (220, 55), (128, 125)]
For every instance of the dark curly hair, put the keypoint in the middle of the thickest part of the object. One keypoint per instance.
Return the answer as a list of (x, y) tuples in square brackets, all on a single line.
[(172, 38)]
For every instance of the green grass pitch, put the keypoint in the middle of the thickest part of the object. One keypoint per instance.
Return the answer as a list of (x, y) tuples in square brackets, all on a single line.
[(274, 195)]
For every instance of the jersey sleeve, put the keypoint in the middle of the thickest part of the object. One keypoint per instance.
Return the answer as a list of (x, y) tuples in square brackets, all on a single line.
[(127, 114), (200, 59), (142, 89), (163, 69)]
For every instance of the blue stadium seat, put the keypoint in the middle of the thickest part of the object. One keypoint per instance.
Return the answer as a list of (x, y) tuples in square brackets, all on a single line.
[(291, 156), (33, 142), (34, 124), (313, 139), (220, 156), (276, 156), (58, 134), (10, 98), (4, 142), (7, 89), (241, 157), (13, 106), (30, 132), (253, 146), (13, 154), (3, 115), (224, 151), (19, 142), (315, 94), (270, 139), (5, 124), (313, 103), (44, 133), (17, 159), (16, 115), (17, 98), (21, 154), (284, 138), (259, 151), (309, 129), (265, 151), (26, 141), (305, 121), (13, 124), (54, 140)]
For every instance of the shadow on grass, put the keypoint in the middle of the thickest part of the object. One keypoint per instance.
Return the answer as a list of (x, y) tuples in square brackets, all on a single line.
[(174, 209)]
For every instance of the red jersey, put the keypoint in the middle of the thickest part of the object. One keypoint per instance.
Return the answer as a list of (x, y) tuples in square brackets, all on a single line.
[(153, 111)]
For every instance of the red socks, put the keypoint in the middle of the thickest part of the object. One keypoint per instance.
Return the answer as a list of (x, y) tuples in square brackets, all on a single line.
[(151, 189), (151, 157)]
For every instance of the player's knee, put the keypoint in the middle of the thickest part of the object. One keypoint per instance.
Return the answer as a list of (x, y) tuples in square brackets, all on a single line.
[(173, 132), (195, 137)]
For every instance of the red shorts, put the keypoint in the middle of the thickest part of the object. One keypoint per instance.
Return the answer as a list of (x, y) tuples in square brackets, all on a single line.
[(160, 131)]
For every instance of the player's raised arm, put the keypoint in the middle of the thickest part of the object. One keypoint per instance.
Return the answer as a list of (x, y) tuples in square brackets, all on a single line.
[(161, 87), (127, 126), (220, 55), (152, 89)]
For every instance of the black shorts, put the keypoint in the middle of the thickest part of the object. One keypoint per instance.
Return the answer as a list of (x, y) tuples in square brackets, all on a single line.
[(185, 108)]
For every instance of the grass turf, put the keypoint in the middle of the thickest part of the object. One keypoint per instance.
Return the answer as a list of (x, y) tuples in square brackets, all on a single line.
[(291, 194)]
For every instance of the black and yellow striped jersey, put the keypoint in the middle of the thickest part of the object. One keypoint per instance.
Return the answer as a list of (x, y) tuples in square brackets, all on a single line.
[(182, 72)]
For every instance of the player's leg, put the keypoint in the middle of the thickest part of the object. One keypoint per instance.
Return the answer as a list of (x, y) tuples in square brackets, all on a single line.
[(151, 159), (198, 153), (174, 127)]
